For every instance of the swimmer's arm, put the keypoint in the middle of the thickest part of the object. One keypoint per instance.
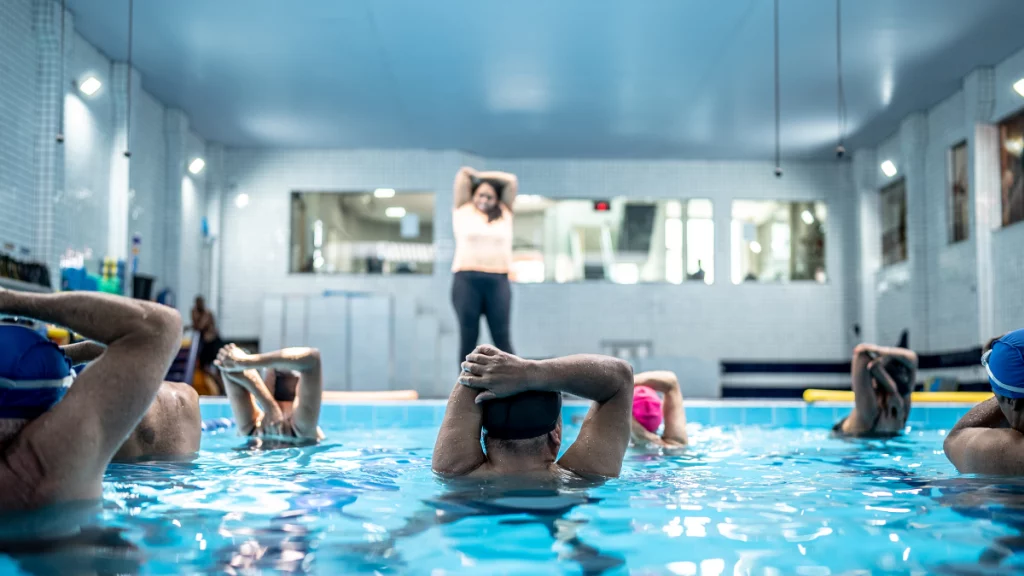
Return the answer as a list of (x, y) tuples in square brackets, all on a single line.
[(107, 401), (672, 407), (463, 187), (969, 434), (82, 352), (865, 405), (457, 451), (604, 435), (510, 189), (642, 437)]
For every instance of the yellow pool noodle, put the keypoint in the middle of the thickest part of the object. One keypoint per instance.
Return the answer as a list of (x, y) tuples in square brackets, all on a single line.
[(812, 396)]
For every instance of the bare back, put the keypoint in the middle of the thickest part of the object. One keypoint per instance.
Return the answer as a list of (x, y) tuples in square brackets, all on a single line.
[(172, 426)]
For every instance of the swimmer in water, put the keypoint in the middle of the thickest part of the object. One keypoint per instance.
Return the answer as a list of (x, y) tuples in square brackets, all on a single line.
[(883, 379), (291, 412), (649, 411), (990, 438), (172, 427), (56, 439), (517, 405)]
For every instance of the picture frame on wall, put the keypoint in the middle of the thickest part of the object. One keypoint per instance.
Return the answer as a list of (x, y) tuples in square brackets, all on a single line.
[(1011, 167)]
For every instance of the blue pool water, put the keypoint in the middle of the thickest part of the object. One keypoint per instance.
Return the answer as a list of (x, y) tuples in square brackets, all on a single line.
[(745, 499)]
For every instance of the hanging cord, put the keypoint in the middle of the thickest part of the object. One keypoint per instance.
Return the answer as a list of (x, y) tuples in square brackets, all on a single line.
[(778, 113), (841, 104), (128, 109), (60, 93)]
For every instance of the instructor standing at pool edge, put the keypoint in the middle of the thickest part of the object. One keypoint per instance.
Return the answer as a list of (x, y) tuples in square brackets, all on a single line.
[(482, 222)]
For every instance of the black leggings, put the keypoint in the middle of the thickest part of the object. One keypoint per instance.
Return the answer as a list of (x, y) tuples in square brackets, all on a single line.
[(476, 293)]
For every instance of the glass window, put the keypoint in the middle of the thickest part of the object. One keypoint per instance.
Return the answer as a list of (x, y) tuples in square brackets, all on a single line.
[(622, 240), (959, 203), (894, 223), (1011, 153), (778, 241), (379, 232)]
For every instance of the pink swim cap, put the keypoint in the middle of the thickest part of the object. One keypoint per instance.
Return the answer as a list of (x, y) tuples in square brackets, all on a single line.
[(647, 408)]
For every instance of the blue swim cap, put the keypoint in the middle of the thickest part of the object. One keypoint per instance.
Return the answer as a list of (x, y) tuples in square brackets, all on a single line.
[(1005, 365), (34, 373)]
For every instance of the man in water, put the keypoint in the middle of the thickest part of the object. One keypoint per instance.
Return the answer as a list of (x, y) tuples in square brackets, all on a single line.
[(172, 426), (294, 373), (57, 439), (517, 405), (990, 438), (883, 379), (650, 410)]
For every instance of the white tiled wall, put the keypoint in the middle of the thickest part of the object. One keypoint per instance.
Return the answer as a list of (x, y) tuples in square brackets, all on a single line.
[(939, 292), (18, 63)]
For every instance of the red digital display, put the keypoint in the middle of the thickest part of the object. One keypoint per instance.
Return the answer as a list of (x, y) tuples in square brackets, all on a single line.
[(602, 205)]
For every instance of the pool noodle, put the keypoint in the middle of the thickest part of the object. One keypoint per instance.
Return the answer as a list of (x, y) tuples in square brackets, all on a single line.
[(812, 395)]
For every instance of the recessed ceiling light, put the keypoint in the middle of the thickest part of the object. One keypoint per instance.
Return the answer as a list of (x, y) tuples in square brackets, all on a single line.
[(395, 212), (384, 193), (888, 168), (242, 200), (755, 247), (807, 217), (1019, 86), (90, 85), (197, 165)]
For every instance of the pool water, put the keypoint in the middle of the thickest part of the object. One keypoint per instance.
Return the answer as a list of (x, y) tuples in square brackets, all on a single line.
[(741, 500)]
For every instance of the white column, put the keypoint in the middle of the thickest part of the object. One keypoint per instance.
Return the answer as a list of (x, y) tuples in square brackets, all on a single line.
[(865, 170), (983, 171), (176, 133), (913, 150)]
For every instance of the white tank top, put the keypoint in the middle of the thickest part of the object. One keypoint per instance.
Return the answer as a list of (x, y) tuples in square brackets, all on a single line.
[(482, 246)]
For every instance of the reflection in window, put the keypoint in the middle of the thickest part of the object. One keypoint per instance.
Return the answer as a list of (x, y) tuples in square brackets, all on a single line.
[(959, 207), (894, 223), (1011, 154), (380, 232), (626, 241), (778, 241)]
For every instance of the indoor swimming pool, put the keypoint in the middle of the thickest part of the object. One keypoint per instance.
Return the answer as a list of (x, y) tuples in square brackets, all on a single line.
[(762, 490)]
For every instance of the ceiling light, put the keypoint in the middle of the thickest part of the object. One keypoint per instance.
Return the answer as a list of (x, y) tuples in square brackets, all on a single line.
[(888, 168), (384, 193), (807, 217), (197, 165), (1019, 86), (90, 85), (755, 247), (395, 212), (1015, 146), (242, 200)]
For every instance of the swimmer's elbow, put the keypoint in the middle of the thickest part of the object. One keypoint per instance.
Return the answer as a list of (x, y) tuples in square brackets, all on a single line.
[(622, 373)]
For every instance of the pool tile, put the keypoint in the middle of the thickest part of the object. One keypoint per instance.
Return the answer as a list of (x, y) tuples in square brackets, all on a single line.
[(389, 416), (358, 416), (788, 417), (822, 417), (757, 416), (698, 415), (726, 416), (942, 418), (418, 416), (331, 415)]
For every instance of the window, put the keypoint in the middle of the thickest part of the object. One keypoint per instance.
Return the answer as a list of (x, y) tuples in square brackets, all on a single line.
[(622, 240), (1011, 153), (894, 223), (381, 232), (778, 241), (959, 202)]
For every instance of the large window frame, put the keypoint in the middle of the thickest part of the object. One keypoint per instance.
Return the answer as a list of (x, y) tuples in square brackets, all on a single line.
[(809, 218), (892, 207), (1011, 169), (959, 205)]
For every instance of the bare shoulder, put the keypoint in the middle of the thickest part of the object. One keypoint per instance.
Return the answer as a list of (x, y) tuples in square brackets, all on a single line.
[(981, 450)]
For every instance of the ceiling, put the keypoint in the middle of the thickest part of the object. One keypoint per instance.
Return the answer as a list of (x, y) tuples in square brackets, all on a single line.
[(536, 78)]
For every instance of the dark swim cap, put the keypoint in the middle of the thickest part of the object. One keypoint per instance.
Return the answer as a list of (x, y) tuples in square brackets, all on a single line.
[(901, 373), (522, 416), (34, 373)]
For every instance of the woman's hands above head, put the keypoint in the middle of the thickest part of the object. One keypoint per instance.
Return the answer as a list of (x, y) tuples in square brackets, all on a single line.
[(231, 358), (497, 373)]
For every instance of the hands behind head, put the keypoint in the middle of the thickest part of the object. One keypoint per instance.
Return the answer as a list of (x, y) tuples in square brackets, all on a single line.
[(230, 359), (497, 373)]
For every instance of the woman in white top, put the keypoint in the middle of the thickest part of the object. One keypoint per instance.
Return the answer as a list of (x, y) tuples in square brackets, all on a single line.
[(482, 222)]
